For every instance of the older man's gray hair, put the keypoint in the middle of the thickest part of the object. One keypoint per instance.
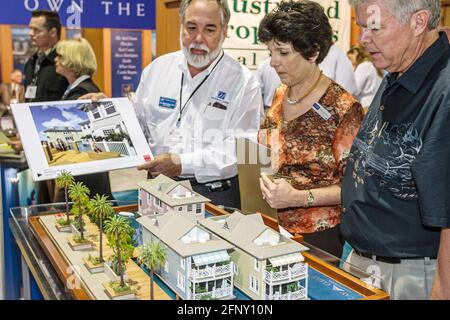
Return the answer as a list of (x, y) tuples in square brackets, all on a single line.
[(404, 9), (223, 4)]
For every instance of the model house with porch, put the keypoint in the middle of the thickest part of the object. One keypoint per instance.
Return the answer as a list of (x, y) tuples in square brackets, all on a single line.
[(267, 265), (162, 195), (198, 264)]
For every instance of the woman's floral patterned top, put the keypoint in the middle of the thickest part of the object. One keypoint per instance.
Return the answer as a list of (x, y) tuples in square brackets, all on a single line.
[(310, 152)]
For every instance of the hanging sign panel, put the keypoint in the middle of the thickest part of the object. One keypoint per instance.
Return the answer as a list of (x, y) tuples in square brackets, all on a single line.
[(119, 14), (126, 61), (242, 41)]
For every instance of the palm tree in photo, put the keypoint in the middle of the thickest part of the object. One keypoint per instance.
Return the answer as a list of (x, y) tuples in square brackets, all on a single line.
[(153, 255), (101, 209), (65, 180), (79, 194), (119, 229)]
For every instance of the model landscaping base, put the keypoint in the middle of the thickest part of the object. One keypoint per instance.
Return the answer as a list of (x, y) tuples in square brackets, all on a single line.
[(93, 282)]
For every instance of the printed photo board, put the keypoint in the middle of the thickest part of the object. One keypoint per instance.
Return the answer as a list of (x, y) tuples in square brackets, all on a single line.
[(80, 136)]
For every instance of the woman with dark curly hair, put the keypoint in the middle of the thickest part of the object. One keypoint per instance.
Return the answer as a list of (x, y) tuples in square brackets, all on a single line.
[(310, 126)]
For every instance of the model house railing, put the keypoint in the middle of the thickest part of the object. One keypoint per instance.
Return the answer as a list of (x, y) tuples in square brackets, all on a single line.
[(121, 147), (295, 295), (211, 271), (298, 271), (215, 294)]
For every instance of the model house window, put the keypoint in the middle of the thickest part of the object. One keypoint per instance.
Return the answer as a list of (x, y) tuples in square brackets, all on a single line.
[(180, 208), (108, 132), (235, 269), (158, 202), (182, 263), (189, 207), (110, 109), (256, 265), (166, 267), (254, 285), (180, 281), (95, 114), (198, 208)]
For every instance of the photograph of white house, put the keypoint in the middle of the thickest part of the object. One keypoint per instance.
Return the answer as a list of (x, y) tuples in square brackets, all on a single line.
[(267, 265), (163, 194), (81, 132), (198, 264)]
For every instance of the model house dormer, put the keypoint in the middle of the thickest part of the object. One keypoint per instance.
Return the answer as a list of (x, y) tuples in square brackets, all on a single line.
[(163, 195), (268, 238)]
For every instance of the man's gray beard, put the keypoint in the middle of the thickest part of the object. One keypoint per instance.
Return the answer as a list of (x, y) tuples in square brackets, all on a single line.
[(201, 61)]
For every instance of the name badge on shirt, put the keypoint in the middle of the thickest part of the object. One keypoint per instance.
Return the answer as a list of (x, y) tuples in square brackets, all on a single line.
[(321, 111), (167, 103), (31, 92)]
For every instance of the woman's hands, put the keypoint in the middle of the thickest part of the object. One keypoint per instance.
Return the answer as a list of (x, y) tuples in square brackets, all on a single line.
[(279, 194)]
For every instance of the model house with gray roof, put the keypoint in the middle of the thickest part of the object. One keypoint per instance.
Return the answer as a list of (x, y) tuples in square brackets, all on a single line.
[(162, 195), (267, 265), (198, 264)]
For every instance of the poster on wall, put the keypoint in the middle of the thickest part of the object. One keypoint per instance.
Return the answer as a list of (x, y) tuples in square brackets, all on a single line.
[(242, 41), (80, 136), (126, 61), (22, 48)]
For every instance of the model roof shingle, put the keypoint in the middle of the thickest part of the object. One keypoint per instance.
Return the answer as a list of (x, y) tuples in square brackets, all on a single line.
[(170, 228), (161, 186), (242, 231)]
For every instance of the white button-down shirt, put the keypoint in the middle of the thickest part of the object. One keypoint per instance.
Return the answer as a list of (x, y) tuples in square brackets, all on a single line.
[(367, 81), (226, 105)]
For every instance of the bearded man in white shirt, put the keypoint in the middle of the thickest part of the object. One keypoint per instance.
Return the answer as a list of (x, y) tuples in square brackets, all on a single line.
[(194, 102)]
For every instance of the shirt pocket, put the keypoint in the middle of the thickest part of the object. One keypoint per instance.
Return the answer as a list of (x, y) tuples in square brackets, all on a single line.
[(214, 117)]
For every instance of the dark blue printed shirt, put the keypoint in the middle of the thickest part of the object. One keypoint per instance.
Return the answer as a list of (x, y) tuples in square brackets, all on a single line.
[(396, 188)]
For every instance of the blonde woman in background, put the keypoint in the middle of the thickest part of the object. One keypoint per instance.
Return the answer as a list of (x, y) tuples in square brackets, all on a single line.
[(75, 60), (368, 78)]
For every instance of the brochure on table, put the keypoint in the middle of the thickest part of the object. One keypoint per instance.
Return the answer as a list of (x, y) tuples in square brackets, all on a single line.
[(80, 136)]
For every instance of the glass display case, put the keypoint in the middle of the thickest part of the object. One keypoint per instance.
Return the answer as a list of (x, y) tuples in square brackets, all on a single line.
[(327, 278)]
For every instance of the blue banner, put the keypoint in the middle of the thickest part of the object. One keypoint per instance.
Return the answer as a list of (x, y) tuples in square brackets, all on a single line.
[(126, 61), (117, 14)]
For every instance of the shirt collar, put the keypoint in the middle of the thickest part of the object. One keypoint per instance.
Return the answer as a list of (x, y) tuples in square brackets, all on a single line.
[(183, 65), (75, 84), (79, 80), (414, 77)]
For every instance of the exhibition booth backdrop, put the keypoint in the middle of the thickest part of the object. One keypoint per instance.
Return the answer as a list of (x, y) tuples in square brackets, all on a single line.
[(126, 35)]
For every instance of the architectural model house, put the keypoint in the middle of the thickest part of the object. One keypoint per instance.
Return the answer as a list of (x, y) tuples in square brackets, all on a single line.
[(267, 265), (162, 195), (198, 265)]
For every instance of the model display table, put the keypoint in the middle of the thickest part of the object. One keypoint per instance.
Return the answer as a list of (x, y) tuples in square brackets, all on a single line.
[(51, 263)]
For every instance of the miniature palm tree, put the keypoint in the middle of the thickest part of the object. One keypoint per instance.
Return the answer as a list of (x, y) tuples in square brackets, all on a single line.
[(119, 229), (79, 194), (153, 255), (65, 180), (101, 209)]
